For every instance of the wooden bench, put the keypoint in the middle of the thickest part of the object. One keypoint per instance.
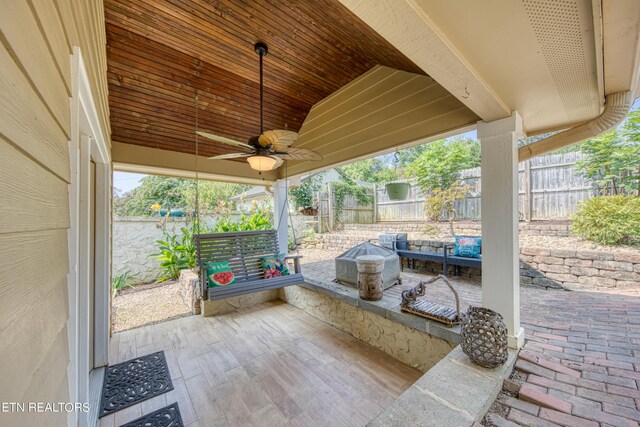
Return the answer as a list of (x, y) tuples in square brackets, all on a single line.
[(459, 261), (401, 247), (243, 251)]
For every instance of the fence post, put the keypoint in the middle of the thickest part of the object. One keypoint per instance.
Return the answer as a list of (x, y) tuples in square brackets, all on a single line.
[(375, 203), (331, 216), (527, 190)]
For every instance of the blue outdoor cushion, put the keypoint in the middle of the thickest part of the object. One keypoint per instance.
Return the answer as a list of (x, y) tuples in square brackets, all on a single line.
[(468, 246)]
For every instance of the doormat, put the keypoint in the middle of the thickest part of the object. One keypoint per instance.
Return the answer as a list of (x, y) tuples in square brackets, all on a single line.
[(133, 381), (169, 416)]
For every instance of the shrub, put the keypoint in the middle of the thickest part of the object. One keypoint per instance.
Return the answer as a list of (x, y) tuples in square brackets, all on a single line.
[(610, 220)]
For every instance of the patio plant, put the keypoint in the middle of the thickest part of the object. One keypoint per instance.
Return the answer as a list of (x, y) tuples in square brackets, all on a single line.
[(610, 220), (441, 203), (121, 281), (173, 256)]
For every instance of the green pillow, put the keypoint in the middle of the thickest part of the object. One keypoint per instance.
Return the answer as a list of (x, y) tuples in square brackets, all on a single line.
[(274, 266), (219, 274)]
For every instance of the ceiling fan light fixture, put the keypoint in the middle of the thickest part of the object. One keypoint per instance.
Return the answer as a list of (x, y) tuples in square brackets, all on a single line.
[(261, 163)]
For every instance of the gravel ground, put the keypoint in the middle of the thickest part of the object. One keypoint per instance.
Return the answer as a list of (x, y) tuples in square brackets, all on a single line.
[(147, 304)]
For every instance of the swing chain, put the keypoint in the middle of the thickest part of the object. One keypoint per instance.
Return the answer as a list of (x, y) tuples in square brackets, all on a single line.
[(197, 204)]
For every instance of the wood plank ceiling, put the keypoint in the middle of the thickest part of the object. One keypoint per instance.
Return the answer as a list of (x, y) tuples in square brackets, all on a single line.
[(162, 53)]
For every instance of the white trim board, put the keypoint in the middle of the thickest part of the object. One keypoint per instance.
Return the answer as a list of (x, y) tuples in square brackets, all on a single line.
[(88, 143)]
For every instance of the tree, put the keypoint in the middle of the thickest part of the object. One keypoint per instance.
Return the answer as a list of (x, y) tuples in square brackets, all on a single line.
[(612, 160), (173, 193), (165, 191), (370, 170), (439, 164), (210, 193)]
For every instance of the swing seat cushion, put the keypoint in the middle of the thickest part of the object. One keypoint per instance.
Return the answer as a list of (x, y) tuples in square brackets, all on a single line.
[(274, 266), (220, 274)]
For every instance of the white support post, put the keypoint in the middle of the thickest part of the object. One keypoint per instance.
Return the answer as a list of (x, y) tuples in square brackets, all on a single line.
[(500, 252), (281, 213)]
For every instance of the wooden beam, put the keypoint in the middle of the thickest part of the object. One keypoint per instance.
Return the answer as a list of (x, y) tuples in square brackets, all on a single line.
[(407, 26)]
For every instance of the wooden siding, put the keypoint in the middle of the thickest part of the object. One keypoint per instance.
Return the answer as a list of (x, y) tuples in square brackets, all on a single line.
[(383, 109), (162, 53), (37, 41)]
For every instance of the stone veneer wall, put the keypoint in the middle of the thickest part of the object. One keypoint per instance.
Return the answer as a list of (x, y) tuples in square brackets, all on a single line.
[(411, 346)]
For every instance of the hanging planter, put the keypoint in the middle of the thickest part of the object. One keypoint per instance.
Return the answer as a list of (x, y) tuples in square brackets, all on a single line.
[(397, 190)]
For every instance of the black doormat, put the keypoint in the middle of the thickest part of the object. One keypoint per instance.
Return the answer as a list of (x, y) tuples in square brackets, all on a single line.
[(169, 416), (133, 381)]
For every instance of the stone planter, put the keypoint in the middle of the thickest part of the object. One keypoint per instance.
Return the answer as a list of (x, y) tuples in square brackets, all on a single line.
[(397, 190)]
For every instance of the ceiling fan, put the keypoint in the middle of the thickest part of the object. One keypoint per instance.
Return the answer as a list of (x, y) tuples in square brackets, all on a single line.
[(271, 148)]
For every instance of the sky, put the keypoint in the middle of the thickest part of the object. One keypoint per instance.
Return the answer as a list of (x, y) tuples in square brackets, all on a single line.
[(126, 181)]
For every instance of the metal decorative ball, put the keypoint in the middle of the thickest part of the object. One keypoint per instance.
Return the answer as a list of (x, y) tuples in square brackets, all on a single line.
[(484, 337)]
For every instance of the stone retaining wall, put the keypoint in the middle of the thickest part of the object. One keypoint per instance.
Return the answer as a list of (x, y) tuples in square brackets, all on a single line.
[(541, 228), (579, 270), (545, 268)]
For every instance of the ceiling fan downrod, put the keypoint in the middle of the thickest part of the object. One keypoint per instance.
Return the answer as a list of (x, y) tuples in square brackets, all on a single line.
[(261, 49)]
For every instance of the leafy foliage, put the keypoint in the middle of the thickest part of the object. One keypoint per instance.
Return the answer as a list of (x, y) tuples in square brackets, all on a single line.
[(441, 203), (438, 165), (610, 220), (172, 193), (613, 159), (121, 281), (303, 194), (260, 218), (174, 254), (370, 170), (347, 186)]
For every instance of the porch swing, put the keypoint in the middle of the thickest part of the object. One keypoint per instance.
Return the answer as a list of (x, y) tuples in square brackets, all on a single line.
[(242, 250)]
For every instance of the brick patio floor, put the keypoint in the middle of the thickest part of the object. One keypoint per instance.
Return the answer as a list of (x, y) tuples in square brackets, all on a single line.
[(580, 365)]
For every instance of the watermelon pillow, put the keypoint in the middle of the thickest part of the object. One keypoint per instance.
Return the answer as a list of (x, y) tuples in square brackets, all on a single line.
[(220, 274), (468, 246), (274, 266)]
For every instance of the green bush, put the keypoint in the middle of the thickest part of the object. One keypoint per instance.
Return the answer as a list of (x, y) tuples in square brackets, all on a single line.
[(610, 220)]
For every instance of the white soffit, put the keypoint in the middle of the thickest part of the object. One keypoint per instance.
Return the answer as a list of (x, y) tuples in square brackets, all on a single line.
[(534, 56), (621, 23)]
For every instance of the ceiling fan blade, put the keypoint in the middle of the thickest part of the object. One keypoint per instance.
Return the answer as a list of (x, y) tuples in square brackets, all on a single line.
[(279, 162), (230, 156), (225, 140), (293, 153), (278, 136)]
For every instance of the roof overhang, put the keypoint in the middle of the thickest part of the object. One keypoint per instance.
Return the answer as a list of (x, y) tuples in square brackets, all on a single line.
[(134, 158)]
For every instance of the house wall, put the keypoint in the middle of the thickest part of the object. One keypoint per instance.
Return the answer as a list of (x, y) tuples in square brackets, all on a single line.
[(35, 86)]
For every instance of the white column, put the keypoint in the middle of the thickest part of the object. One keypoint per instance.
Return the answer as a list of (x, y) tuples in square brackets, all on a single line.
[(500, 259), (281, 213)]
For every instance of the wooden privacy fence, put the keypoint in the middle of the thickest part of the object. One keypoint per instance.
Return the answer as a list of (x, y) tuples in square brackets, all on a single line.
[(549, 188), (353, 212)]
